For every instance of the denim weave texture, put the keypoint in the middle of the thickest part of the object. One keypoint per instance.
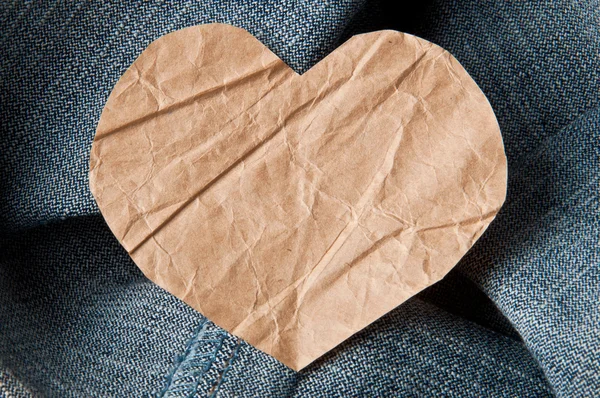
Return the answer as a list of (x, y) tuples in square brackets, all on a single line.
[(519, 316)]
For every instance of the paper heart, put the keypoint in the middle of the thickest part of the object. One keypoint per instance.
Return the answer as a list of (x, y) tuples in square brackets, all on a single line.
[(294, 210)]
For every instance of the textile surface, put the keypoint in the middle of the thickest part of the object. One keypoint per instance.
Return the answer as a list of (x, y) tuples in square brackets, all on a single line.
[(519, 315)]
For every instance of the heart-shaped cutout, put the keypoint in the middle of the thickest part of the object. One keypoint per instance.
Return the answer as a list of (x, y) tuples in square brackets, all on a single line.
[(294, 210)]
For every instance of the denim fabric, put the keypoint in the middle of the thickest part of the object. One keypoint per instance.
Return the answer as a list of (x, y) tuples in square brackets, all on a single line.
[(61, 61), (539, 261), (79, 319), (519, 316)]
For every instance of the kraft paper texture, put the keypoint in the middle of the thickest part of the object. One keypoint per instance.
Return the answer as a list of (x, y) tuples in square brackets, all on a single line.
[(294, 210)]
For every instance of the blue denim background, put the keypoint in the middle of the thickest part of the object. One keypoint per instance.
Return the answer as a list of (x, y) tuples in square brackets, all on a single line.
[(519, 316)]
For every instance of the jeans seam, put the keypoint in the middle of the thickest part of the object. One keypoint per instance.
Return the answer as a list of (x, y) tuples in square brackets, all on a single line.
[(196, 337), (212, 392)]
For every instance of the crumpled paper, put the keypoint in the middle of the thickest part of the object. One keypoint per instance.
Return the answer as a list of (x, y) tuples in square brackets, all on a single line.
[(294, 210)]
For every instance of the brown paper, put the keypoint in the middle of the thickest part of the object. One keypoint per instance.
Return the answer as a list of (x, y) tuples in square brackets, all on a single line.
[(293, 210)]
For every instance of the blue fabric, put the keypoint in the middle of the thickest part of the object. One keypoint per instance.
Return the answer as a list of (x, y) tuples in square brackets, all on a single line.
[(519, 316)]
